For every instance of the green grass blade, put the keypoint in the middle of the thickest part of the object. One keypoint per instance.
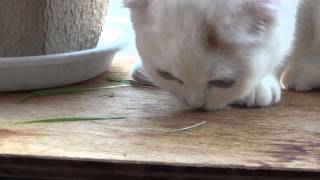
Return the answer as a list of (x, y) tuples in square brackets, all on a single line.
[(68, 119), (131, 82), (61, 91)]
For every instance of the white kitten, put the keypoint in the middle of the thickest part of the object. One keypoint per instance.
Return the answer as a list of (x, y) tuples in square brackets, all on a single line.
[(303, 70), (211, 53)]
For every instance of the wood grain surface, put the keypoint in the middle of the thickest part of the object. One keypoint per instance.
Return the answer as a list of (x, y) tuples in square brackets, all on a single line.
[(281, 138)]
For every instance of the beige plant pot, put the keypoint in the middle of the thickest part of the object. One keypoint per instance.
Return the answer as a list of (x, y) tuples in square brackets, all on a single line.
[(38, 27)]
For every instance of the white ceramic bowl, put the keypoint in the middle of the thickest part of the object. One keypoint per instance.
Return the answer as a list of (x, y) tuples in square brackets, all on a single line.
[(47, 71)]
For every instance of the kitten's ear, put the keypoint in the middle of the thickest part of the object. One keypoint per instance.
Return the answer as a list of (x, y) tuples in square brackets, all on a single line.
[(135, 3), (271, 3), (263, 15)]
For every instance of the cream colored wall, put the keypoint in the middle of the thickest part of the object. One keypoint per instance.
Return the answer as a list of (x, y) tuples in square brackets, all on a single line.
[(33, 27)]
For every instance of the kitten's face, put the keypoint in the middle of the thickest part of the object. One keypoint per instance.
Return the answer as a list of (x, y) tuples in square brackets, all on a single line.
[(208, 53)]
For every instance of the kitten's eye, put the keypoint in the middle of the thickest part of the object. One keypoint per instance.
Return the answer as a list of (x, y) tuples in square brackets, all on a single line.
[(224, 83), (167, 76)]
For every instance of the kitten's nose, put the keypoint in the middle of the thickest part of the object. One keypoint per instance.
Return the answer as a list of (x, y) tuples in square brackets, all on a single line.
[(195, 101), (199, 107)]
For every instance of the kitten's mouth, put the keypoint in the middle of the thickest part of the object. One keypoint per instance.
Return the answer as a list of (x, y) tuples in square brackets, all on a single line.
[(205, 108), (201, 109)]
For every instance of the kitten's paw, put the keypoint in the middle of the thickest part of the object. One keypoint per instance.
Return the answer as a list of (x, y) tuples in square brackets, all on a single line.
[(267, 93), (297, 79)]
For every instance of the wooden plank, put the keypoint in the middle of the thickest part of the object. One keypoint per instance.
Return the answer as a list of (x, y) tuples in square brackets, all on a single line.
[(285, 138), (39, 167)]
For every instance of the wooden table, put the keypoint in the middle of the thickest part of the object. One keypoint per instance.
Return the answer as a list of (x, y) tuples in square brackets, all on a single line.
[(281, 142)]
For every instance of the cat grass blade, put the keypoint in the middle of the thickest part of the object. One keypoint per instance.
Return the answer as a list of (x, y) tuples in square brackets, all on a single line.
[(187, 128), (68, 119), (71, 90), (131, 83)]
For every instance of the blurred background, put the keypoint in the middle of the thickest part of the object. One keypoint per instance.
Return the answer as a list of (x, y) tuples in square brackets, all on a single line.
[(119, 16)]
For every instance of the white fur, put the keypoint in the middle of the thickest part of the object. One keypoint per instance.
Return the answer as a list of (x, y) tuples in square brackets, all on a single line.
[(303, 70), (168, 36)]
